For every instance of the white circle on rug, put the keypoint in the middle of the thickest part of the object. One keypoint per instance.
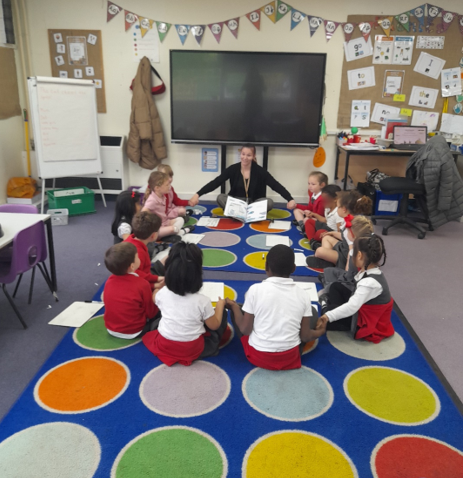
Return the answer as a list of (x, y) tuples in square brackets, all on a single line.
[(294, 395), (178, 391), (388, 348), (54, 449), (259, 242), (219, 239)]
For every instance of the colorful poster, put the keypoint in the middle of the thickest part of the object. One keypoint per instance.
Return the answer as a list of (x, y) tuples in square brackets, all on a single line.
[(182, 31), (282, 10), (146, 46), (255, 18), (112, 10), (216, 30), (163, 29), (403, 20), (429, 65), (270, 11), (383, 50), (198, 31), (386, 24), (314, 23), (348, 29), (129, 19), (330, 28), (393, 83), (402, 50), (361, 78), (296, 18), (360, 113), (423, 97), (145, 25), (232, 25)]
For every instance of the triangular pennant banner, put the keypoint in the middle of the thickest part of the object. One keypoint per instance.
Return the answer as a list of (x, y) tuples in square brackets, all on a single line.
[(270, 11), (255, 18), (348, 29), (163, 29), (447, 20), (182, 31), (297, 18), (330, 28), (216, 30), (145, 25), (460, 23), (419, 13), (112, 10), (232, 25), (366, 28), (386, 24), (432, 13), (198, 31), (282, 10), (403, 20), (314, 23), (129, 19)]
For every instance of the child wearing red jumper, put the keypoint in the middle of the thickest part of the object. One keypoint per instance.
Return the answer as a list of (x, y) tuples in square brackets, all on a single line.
[(276, 319), (145, 226), (129, 302), (316, 181), (172, 200)]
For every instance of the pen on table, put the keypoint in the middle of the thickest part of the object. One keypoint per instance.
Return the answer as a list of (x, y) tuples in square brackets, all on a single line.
[(263, 255)]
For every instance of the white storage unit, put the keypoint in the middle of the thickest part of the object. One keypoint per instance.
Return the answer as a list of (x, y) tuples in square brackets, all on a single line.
[(114, 164)]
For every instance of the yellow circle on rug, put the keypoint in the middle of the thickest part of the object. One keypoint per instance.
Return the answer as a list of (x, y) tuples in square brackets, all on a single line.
[(256, 260), (304, 243), (217, 211), (391, 395), (296, 454), (228, 293), (82, 385)]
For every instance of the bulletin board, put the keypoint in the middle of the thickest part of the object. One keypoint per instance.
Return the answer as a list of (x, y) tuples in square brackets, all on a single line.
[(78, 54), (9, 94), (452, 53)]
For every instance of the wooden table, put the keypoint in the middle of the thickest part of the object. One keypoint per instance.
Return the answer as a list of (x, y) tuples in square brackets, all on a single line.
[(13, 223)]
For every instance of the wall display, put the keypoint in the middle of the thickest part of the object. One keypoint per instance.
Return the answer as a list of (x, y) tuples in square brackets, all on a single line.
[(451, 83), (360, 113), (457, 108), (423, 97), (145, 46), (403, 50), (361, 78), (383, 49), (425, 118), (430, 43), (382, 113), (393, 83), (77, 51), (60, 48), (429, 65), (451, 124), (209, 159), (63, 74), (358, 48)]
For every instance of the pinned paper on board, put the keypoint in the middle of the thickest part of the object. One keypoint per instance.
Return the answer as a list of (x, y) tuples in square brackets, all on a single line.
[(58, 37), (451, 124), (425, 118), (402, 50), (77, 51), (382, 113), (429, 65), (423, 97), (361, 78), (451, 83), (360, 113), (358, 48), (60, 48), (430, 43), (393, 83), (383, 49)]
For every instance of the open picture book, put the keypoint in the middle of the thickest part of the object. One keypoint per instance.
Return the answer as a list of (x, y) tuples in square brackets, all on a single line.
[(244, 212)]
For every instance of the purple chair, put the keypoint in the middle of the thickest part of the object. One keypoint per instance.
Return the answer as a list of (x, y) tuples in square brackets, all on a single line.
[(7, 208), (29, 247)]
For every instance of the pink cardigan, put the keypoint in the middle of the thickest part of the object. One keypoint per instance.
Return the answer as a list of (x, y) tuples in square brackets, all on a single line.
[(159, 207)]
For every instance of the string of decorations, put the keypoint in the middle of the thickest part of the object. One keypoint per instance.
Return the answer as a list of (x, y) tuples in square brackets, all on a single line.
[(424, 17)]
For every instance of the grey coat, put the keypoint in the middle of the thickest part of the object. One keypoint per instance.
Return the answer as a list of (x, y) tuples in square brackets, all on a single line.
[(433, 166)]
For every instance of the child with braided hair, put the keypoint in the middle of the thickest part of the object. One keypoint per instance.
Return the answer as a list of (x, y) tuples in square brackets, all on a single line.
[(366, 311)]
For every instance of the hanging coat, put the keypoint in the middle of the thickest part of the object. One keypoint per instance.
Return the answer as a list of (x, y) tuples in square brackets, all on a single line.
[(145, 145)]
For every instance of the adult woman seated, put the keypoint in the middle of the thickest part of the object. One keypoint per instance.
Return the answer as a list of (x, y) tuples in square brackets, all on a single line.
[(248, 182)]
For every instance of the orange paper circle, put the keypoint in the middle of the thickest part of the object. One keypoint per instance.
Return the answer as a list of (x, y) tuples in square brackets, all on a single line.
[(319, 157)]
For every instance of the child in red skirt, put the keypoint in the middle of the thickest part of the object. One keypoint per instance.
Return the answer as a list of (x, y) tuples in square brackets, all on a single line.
[(277, 316), (189, 328)]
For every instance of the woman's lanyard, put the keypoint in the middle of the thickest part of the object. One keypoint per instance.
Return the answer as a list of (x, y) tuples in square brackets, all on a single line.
[(246, 184)]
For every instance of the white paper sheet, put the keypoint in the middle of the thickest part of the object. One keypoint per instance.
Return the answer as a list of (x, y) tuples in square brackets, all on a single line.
[(360, 113), (311, 288), (451, 124), (192, 238), (213, 291), (429, 65), (76, 315), (423, 97), (358, 48), (300, 259), (361, 78), (425, 118), (382, 112), (273, 240), (280, 225), (208, 221)]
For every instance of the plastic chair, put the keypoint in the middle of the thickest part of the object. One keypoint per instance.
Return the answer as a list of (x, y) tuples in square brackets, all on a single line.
[(10, 208)]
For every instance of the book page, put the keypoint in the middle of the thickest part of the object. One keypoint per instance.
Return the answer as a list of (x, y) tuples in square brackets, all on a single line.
[(207, 221), (214, 291), (192, 238), (273, 240), (311, 289), (280, 225), (300, 259), (257, 211), (236, 209)]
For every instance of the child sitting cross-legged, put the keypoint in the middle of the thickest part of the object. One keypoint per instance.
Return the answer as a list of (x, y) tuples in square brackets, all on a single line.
[(190, 328), (129, 302), (276, 319)]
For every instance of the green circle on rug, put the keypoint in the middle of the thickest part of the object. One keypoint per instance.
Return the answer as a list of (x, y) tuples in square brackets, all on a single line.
[(93, 335), (191, 222), (278, 214), (214, 258), (171, 452)]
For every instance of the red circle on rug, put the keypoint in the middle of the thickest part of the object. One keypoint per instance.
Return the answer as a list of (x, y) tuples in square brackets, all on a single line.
[(227, 224), (415, 456)]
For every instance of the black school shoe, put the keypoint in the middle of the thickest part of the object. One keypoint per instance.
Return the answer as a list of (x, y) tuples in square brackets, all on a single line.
[(158, 268), (171, 239), (188, 229), (314, 244), (317, 263)]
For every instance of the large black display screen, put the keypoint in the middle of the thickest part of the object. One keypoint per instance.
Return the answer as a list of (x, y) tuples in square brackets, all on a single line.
[(236, 97)]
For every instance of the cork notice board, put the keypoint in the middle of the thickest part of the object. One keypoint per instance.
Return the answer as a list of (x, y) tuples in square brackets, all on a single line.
[(78, 54), (9, 95), (451, 53)]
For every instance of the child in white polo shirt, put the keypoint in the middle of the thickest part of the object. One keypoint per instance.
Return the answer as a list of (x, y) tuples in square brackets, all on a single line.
[(277, 316)]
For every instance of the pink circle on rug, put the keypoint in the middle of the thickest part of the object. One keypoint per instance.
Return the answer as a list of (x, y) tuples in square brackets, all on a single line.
[(220, 239), (180, 391)]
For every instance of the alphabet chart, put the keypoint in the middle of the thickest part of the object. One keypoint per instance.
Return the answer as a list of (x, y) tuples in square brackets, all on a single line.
[(423, 97), (429, 65), (402, 50), (360, 113), (361, 78)]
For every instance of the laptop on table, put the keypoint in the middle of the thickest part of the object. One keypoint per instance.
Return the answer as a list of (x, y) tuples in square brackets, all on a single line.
[(409, 137)]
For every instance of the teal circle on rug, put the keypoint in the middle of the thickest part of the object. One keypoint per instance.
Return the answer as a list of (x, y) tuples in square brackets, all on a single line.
[(214, 258), (93, 335), (278, 214), (54, 449), (219, 239), (295, 395), (175, 451), (259, 242), (200, 208)]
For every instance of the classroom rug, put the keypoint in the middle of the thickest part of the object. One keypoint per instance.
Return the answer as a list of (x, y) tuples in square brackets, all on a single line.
[(102, 406), (238, 247)]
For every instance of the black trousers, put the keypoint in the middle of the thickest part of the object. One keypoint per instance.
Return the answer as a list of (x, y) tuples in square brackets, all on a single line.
[(212, 341), (338, 294)]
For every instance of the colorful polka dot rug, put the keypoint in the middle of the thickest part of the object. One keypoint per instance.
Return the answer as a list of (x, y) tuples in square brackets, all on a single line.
[(102, 406), (238, 247)]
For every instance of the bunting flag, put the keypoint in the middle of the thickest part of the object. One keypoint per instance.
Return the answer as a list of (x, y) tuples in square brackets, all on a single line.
[(145, 25), (129, 19), (447, 20), (348, 29), (297, 17), (270, 11), (460, 23), (403, 20), (216, 30), (182, 31), (365, 28), (163, 29), (112, 10), (386, 24), (330, 28), (198, 31), (419, 13), (282, 10), (432, 13), (232, 25), (255, 18), (314, 23)]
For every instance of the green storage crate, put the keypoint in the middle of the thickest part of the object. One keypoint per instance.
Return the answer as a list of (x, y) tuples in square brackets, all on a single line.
[(78, 201)]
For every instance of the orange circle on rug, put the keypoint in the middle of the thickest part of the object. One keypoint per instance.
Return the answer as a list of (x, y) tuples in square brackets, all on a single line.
[(82, 385), (263, 226), (415, 456), (256, 260), (227, 224)]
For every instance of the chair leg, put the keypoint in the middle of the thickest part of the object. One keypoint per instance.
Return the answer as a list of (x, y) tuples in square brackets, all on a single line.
[(13, 305), (31, 286), (17, 285), (43, 270)]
